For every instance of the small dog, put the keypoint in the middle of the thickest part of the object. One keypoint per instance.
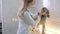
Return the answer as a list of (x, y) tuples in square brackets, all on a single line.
[(44, 14)]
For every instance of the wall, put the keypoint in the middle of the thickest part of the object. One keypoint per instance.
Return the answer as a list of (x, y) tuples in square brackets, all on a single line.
[(10, 9)]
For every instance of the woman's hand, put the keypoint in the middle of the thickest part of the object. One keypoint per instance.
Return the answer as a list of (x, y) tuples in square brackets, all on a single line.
[(20, 15)]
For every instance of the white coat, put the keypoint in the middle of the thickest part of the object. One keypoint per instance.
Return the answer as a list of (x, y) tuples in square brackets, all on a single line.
[(24, 24)]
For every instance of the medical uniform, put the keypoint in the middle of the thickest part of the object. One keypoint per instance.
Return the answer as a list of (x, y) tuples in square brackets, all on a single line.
[(27, 22)]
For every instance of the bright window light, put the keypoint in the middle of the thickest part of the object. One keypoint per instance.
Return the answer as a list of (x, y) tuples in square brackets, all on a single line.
[(46, 3), (49, 30)]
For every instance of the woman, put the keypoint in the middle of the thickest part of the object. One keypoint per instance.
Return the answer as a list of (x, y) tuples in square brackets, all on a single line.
[(26, 19), (44, 14)]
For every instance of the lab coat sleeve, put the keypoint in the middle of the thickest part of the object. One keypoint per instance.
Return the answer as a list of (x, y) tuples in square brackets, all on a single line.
[(34, 17), (29, 18)]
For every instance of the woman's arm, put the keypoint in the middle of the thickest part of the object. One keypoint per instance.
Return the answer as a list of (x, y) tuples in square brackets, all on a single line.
[(29, 18), (34, 16), (19, 12)]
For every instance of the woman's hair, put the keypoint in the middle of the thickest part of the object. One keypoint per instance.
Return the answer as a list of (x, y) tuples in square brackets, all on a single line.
[(47, 11), (26, 2)]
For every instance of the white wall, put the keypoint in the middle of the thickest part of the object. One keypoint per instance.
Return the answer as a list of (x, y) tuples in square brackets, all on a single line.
[(10, 9)]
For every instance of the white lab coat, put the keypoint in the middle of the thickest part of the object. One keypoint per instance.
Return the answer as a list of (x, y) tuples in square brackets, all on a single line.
[(24, 24)]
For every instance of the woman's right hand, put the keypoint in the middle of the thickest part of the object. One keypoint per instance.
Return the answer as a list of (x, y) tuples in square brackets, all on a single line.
[(20, 15)]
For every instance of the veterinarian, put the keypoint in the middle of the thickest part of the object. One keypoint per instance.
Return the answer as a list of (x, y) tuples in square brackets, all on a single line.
[(26, 17)]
